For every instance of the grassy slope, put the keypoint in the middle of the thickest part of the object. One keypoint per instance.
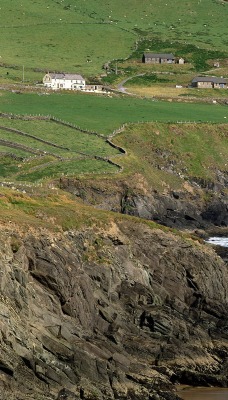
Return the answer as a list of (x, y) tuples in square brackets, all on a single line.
[(162, 76), (64, 36), (55, 211), (180, 151), (80, 37), (65, 136), (47, 165), (70, 168), (194, 150), (106, 114)]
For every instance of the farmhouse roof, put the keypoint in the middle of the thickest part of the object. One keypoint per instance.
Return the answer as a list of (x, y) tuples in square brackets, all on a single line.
[(208, 79), (159, 55), (66, 76)]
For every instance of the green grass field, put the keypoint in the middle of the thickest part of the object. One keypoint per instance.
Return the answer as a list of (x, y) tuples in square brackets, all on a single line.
[(64, 47), (72, 140), (104, 114), (70, 168), (66, 151), (81, 36)]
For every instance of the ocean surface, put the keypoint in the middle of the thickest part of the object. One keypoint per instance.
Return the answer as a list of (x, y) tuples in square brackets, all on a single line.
[(204, 394), (221, 241)]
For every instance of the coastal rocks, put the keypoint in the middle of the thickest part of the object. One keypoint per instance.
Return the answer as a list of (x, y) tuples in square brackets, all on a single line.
[(183, 209), (217, 212), (120, 311), (170, 210)]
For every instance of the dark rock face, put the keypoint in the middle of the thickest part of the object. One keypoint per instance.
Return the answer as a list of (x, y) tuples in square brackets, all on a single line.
[(176, 209), (122, 312), (217, 213), (169, 210)]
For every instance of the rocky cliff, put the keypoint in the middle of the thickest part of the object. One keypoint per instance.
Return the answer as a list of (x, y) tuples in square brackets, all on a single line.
[(192, 206), (119, 310)]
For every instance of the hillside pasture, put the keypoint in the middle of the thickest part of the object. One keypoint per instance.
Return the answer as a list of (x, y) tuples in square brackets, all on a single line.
[(63, 47), (79, 36), (105, 114), (170, 154), (198, 61), (70, 141), (18, 153), (35, 149), (13, 74), (71, 168)]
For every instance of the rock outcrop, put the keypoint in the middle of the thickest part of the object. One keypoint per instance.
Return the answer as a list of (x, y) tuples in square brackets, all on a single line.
[(121, 311), (192, 207)]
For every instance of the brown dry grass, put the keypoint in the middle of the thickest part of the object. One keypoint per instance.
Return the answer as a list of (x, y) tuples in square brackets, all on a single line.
[(157, 91), (173, 92)]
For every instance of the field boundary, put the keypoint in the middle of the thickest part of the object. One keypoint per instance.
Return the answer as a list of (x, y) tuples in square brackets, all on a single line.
[(65, 123), (38, 152), (21, 133), (30, 117)]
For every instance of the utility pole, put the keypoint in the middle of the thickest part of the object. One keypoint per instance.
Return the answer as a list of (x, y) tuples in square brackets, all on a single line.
[(116, 69), (23, 73)]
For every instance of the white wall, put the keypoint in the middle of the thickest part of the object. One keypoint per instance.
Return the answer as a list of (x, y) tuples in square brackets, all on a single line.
[(66, 84)]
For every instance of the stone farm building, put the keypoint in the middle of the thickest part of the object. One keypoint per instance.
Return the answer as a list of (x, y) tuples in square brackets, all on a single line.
[(209, 82), (64, 81), (158, 58)]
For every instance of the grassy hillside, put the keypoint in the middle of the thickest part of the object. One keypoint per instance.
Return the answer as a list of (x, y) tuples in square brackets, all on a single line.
[(168, 154), (57, 211), (104, 114), (35, 150), (163, 152), (166, 76), (38, 207), (82, 35)]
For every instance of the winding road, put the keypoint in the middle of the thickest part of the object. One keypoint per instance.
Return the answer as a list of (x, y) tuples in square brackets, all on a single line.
[(121, 87)]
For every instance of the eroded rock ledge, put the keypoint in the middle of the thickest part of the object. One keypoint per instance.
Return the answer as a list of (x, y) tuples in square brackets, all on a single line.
[(120, 312), (194, 206)]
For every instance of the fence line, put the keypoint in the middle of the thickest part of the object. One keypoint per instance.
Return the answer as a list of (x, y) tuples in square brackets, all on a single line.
[(78, 128)]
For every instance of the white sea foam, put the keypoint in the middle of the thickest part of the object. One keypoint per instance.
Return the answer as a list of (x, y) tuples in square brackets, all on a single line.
[(220, 241)]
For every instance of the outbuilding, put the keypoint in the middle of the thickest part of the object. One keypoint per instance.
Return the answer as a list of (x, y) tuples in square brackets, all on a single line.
[(209, 82), (181, 61)]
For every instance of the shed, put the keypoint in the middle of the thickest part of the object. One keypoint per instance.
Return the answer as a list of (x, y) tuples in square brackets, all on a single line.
[(181, 61)]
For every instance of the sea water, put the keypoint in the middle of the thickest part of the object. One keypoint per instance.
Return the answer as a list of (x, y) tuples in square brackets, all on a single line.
[(219, 241)]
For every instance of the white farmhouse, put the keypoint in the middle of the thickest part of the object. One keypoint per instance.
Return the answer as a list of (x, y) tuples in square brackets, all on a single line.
[(64, 81)]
